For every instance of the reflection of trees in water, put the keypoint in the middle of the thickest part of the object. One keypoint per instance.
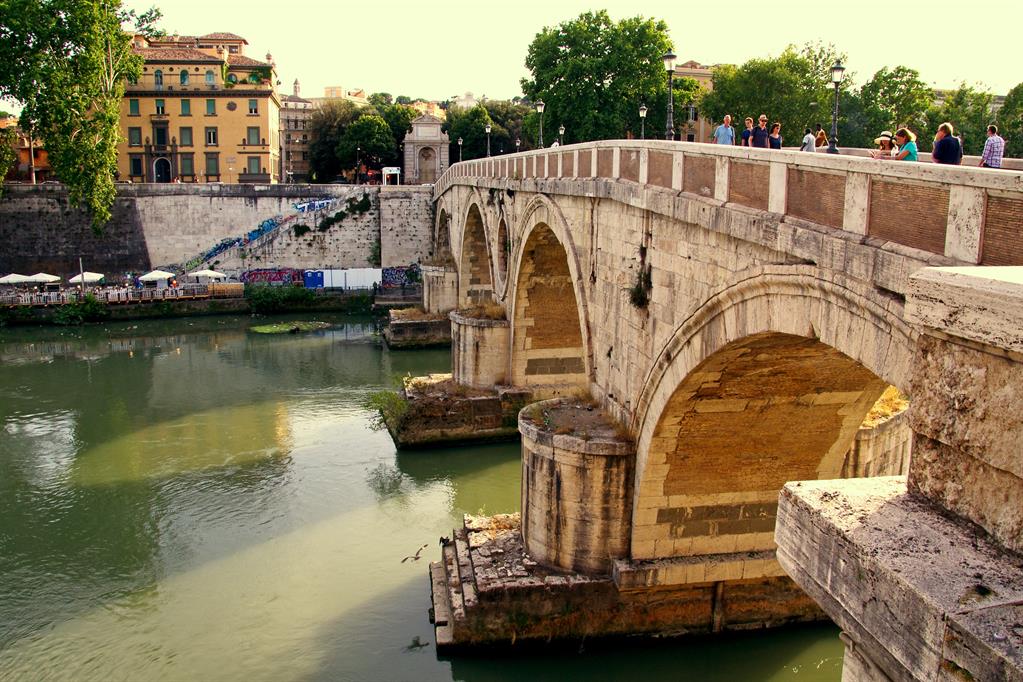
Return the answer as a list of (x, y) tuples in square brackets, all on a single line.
[(480, 478)]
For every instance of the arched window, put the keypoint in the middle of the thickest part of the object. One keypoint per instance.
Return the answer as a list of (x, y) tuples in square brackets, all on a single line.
[(158, 78), (184, 77), (231, 78), (210, 78)]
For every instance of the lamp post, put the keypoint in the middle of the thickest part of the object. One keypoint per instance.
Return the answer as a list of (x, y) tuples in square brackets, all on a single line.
[(642, 121), (669, 66), (459, 150), (517, 143), (837, 74), (487, 129), (539, 110), (358, 162), (561, 134)]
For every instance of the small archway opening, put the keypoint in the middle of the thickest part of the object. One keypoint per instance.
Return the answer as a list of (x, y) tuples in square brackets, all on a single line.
[(475, 283), (758, 412), (547, 339), (161, 170)]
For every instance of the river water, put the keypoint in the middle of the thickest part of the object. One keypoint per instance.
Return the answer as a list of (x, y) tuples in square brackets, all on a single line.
[(187, 500)]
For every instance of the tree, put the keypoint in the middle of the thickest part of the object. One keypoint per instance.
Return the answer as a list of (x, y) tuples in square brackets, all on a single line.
[(470, 125), (895, 98), (327, 126), (403, 99), (380, 99), (399, 119), (367, 139), (968, 109), (67, 61), (8, 152), (1010, 121), (593, 73), (794, 89)]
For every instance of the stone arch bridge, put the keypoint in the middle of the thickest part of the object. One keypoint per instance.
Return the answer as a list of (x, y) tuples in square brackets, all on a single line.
[(738, 311)]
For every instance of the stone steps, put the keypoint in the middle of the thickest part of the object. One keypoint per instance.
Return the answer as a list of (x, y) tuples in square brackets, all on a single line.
[(453, 588)]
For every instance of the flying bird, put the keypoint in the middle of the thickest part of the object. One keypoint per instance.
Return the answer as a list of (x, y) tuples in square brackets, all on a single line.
[(415, 557)]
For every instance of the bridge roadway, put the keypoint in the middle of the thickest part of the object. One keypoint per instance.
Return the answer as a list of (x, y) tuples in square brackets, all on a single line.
[(738, 310)]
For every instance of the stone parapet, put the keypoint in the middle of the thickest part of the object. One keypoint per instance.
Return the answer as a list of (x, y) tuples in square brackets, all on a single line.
[(920, 596)]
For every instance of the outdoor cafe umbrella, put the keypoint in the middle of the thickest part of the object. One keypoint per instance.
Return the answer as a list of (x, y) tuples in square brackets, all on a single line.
[(156, 276), (14, 278), (208, 274), (90, 278), (42, 278)]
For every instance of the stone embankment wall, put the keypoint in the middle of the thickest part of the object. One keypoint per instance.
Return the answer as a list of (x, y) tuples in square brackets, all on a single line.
[(160, 225)]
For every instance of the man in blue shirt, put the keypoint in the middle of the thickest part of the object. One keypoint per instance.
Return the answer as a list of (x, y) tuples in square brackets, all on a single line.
[(724, 134), (760, 134), (947, 149)]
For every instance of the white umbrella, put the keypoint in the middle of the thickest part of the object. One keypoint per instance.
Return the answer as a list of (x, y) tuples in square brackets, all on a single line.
[(14, 278), (43, 278), (156, 276), (208, 274), (90, 278)]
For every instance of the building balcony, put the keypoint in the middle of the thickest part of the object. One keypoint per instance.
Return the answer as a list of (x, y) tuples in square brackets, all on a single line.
[(254, 178), (261, 143), (159, 117)]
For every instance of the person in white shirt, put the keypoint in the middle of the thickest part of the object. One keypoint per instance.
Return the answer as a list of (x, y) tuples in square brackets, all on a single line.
[(809, 142)]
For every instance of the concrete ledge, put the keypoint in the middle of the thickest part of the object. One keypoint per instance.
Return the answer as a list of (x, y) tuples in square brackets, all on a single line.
[(922, 596), (695, 569)]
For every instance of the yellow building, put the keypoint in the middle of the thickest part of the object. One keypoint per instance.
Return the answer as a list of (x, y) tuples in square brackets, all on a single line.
[(201, 112)]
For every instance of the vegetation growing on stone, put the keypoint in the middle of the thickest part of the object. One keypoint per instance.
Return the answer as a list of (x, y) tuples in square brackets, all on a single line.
[(294, 327), (487, 310), (266, 299)]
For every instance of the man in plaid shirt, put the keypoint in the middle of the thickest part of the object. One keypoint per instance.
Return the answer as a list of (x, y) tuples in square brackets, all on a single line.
[(994, 148)]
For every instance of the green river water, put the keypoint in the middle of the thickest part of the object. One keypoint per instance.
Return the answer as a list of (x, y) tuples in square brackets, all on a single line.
[(187, 500)]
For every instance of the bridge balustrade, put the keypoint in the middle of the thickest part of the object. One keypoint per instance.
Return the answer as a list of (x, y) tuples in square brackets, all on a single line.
[(968, 215)]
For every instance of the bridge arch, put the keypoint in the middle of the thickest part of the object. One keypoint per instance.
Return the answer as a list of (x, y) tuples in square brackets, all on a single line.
[(475, 271), (550, 340), (767, 382)]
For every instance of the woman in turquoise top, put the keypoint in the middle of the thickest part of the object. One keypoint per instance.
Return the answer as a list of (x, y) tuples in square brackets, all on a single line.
[(907, 145)]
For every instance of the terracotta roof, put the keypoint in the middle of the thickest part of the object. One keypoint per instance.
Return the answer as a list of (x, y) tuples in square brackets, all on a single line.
[(242, 60), (174, 54), (223, 36), (173, 39)]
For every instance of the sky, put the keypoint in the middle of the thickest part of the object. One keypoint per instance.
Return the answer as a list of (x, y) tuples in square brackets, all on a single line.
[(439, 48)]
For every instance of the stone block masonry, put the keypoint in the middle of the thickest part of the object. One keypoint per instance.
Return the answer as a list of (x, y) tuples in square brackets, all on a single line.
[(158, 225)]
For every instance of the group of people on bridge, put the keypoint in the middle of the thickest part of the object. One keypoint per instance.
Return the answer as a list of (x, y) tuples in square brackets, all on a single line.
[(900, 146)]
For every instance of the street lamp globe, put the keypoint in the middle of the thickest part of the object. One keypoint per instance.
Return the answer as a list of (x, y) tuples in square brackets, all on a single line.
[(837, 72), (561, 134), (669, 60), (486, 129), (539, 110), (459, 149), (642, 121), (669, 67), (540, 106)]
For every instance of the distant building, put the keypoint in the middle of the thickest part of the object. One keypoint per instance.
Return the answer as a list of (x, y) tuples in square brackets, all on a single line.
[(465, 101), (429, 109), (356, 96), (426, 151), (295, 114), (202, 111), (690, 125), (30, 156)]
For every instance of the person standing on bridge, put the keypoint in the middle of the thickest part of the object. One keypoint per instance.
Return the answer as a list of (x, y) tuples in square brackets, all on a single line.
[(809, 142), (775, 138), (758, 138), (947, 149), (724, 133), (907, 146), (822, 137), (747, 133), (994, 149)]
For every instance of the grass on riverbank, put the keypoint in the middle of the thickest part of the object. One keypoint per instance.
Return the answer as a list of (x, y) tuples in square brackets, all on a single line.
[(293, 327)]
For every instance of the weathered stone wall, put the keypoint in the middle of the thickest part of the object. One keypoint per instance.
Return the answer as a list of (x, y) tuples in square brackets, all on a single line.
[(479, 351), (440, 288), (881, 450), (163, 225)]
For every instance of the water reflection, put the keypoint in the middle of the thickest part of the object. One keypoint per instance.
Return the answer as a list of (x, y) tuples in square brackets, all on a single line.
[(187, 500)]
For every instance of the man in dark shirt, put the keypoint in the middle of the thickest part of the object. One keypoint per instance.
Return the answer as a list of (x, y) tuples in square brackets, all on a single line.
[(946, 146), (748, 132), (758, 138)]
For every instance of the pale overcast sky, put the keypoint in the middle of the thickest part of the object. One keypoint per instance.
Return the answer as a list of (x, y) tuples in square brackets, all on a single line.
[(436, 49)]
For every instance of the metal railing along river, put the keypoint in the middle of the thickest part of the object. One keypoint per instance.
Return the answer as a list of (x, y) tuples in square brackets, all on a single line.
[(115, 295)]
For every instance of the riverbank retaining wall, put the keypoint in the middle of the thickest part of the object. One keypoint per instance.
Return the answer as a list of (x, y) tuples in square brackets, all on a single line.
[(172, 225)]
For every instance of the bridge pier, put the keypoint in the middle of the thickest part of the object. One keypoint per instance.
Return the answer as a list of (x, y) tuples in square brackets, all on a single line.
[(925, 574), (440, 288)]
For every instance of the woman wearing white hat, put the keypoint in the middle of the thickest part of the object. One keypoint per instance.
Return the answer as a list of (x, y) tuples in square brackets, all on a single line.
[(885, 145)]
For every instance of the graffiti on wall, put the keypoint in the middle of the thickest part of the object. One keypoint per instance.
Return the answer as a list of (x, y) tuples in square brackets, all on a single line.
[(402, 276), (272, 276)]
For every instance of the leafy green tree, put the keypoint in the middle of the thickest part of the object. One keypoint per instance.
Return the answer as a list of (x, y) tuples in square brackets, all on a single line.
[(327, 126), (508, 118), (66, 62), (794, 89), (403, 99), (1010, 121), (380, 99), (969, 111), (592, 73), (399, 119), (368, 139), (8, 152), (895, 98), (470, 125)]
